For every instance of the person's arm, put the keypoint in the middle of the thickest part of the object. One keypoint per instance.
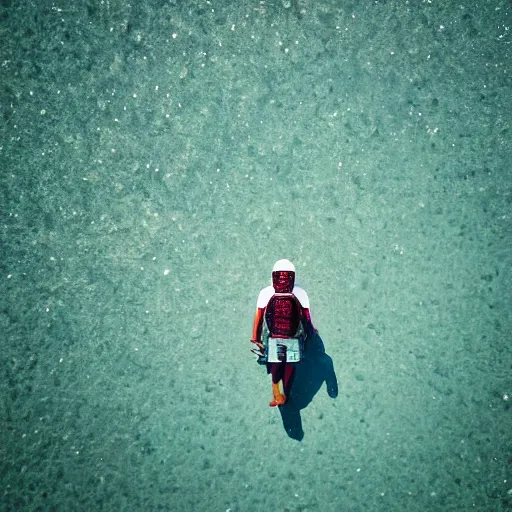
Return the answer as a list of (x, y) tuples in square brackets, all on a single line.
[(256, 328), (308, 324), (301, 294)]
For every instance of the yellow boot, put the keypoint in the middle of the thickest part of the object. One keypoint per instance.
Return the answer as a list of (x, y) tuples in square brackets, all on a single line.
[(279, 398)]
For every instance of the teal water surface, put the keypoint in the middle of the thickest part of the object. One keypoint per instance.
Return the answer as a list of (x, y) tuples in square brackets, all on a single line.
[(157, 158)]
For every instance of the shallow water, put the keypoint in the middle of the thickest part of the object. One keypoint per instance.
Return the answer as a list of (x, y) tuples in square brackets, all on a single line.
[(157, 157)]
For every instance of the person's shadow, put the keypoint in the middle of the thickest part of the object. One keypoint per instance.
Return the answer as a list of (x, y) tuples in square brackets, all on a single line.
[(315, 369)]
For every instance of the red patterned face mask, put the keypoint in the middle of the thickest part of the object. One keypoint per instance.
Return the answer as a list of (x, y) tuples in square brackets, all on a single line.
[(283, 281)]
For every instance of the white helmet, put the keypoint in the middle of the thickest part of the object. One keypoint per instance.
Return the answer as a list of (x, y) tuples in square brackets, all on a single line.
[(283, 276), (283, 266)]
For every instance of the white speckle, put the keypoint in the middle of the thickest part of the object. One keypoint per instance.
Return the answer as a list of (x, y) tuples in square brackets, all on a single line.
[(174, 36), (506, 397), (9, 276), (166, 272), (43, 112), (60, 360)]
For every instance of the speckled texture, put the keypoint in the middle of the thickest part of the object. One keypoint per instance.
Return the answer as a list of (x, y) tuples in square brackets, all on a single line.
[(156, 158)]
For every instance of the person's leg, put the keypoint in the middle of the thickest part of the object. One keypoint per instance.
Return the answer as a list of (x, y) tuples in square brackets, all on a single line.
[(277, 371), (289, 370)]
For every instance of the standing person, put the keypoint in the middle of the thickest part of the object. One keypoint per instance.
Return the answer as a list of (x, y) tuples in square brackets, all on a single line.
[(281, 324)]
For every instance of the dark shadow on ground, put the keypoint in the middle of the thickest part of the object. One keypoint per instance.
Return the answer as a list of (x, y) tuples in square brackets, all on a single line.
[(315, 369)]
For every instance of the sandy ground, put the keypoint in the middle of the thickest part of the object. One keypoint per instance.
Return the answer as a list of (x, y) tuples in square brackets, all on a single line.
[(156, 158)]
